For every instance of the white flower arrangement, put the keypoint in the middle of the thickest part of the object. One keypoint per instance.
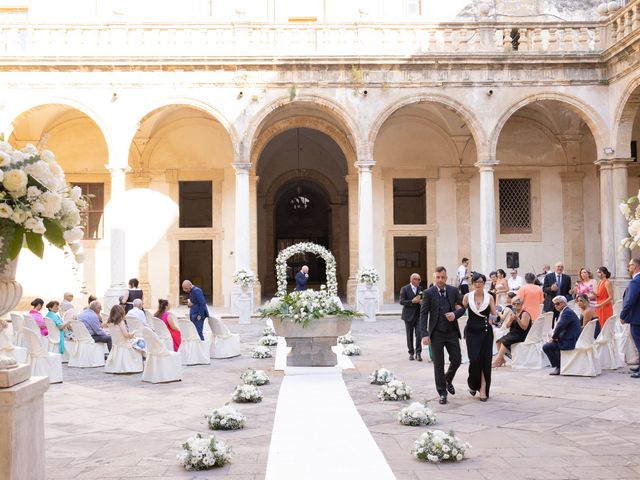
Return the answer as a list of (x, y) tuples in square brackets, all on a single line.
[(255, 377), (203, 453), (268, 340), (631, 211), (268, 331), (261, 352), (36, 201), (368, 276), (395, 390), (244, 278), (226, 418), (247, 394), (437, 446), (382, 376), (416, 414), (351, 350), (345, 339), (285, 254)]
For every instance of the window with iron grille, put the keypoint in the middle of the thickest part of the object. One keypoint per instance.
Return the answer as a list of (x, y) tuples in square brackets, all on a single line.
[(515, 205), (91, 219)]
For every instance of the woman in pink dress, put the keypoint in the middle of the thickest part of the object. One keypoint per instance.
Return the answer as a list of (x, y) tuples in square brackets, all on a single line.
[(584, 285), (37, 305), (163, 314)]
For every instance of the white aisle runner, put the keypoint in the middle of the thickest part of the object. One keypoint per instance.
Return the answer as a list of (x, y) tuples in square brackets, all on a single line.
[(319, 434)]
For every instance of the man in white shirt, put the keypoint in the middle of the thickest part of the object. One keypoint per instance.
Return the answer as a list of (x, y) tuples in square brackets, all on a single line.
[(65, 304), (514, 281), (463, 276), (138, 312)]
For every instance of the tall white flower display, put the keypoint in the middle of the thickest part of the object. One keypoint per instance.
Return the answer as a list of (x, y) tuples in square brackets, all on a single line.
[(327, 256)]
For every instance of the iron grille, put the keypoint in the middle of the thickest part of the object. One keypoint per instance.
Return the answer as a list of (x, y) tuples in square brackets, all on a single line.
[(515, 205)]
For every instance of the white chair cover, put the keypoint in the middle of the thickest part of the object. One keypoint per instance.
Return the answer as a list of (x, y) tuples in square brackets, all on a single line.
[(193, 350), (19, 354), (149, 316), (462, 323), (134, 325), (17, 322), (582, 360), (224, 344), (163, 333), (625, 344), (528, 355), (122, 358), (606, 348), (162, 365), (43, 363), (617, 306), (30, 322), (53, 339), (547, 331), (87, 353), (69, 315)]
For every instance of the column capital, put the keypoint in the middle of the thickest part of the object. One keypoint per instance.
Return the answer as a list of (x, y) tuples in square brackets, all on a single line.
[(604, 163), (244, 167), (621, 162), (486, 166), (365, 165), (116, 169)]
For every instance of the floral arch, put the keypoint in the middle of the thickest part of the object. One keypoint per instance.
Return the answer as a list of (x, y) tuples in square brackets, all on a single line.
[(285, 254)]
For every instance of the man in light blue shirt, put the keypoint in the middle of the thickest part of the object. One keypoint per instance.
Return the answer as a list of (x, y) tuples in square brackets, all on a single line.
[(91, 319)]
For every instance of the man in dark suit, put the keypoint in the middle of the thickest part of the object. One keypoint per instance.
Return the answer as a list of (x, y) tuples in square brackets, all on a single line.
[(555, 283), (198, 311), (410, 298), (439, 312), (302, 277), (630, 312), (565, 335)]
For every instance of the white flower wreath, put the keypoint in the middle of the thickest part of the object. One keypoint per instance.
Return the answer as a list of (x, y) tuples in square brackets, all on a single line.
[(285, 254)]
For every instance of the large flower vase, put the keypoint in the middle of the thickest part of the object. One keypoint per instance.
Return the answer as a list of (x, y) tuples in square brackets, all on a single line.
[(10, 290), (311, 345)]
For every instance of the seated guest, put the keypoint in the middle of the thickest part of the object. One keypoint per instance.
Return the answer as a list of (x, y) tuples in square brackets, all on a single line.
[(138, 312), (502, 286), (163, 314), (531, 295), (565, 334), (506, 311), (66, 304), (91, 319), (116, 317), (89, 300), (53, 307), (519, 324), (493, 276), (514, 281), (587, 314), (36, 306)]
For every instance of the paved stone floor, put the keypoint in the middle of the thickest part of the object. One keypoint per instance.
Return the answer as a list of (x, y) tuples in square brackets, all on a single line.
[(533, 427)]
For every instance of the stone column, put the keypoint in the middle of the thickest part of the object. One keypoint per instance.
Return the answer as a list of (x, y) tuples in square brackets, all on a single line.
[(573, 220), (241, 300), (487, 217), (619, 194), (606, 216), (367, 296), (117, 230)]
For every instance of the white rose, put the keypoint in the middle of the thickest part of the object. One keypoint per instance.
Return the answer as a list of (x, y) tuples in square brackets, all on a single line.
[(48, 204), (17, 157), (33, 192), (48, 156), (19, 216), (5, 210), (35, 225), (16, 182), (30, 150), (5, 159)]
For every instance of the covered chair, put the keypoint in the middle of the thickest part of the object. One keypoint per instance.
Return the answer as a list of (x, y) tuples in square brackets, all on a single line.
[(43, 363), (19, 354), (528, 355), (606, 348), (162, 365), (193, 350), (17, 322), (224, 344), (134, 325), (163, 333), (87, 353), (583, 359), (625, 344), (122, 358), (53, 337)]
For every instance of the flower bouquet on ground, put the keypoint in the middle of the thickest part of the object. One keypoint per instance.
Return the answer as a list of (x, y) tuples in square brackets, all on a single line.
[(202, 453), (345, 339), (395, 390), (351, 350), (368, 276), (268, 340), (226, 418), (261, 352), (416, 414), (247, 394), (436, 446), (268, 331), (255, 377), (381, 376), (244, 278)]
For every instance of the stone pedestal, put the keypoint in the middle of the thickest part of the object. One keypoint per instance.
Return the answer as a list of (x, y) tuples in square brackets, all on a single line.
[(367, 296), (22, 453), (242, 303)]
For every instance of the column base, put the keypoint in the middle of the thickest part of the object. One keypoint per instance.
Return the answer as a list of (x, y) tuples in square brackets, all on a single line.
[(242, 303), (112, 297), (367, 301), (619, 284)]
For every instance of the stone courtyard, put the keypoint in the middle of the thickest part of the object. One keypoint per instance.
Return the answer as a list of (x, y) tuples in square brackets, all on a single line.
[(533, 427)]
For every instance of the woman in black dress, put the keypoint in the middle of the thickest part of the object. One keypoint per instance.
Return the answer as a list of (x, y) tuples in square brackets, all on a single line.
[(133, 293), (519, 325), (479, 336)]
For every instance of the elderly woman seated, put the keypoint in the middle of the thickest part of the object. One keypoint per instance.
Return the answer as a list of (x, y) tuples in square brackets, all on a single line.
[(53, 308), (519, 324)]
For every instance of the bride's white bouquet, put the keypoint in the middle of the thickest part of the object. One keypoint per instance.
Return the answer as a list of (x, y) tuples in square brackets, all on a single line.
[(416, 414), (395, 390), (436, 446), (203, 453), (226, 418)]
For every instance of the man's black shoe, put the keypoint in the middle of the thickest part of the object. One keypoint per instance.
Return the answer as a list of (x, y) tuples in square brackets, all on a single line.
[(418, 357), (555, 371), (635, 369), (410, 357), (443, 400), (451, 389)]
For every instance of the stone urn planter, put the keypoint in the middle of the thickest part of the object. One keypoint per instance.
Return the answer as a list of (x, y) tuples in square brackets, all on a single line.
[(311, 345)]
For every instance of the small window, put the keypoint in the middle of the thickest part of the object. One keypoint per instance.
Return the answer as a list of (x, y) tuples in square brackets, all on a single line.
[(195, 205), (515, 205), (92, 218), (409, 201)]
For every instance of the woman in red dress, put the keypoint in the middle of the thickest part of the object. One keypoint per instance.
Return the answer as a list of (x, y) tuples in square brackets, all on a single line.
[(604, 296), (163, 314)]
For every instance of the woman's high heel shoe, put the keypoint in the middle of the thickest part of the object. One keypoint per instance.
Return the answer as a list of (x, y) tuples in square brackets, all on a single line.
[(472, 392)]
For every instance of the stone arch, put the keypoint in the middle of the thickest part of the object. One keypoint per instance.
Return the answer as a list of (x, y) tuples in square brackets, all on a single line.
[(594, 121), (543, 129), (314, 175), (624, 117), (327, 256), (472, 121)]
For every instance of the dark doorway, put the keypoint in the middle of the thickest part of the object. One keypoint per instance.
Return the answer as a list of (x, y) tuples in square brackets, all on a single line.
[(303, 214), (409, 256), (196, 264)]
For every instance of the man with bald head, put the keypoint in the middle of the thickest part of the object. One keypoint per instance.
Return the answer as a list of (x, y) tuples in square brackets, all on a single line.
[(198, 311), (555, 283), (65, 304)]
